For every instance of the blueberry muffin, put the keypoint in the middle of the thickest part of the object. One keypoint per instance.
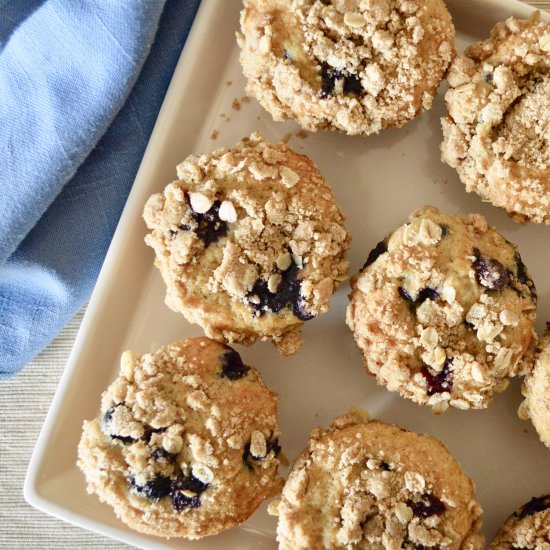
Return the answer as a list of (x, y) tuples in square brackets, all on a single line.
[(186, 443), (357, 66), (526, 529), (497, 132), (443, 311), (536, 389), (368, 485), (250, 242)]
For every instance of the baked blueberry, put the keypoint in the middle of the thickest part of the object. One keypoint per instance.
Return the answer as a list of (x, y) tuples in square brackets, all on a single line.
[(426, 294), (154, 489), (232, 365), (423, 295), (186, 493), (124, 421), (287, 294), (330, 77), (162, 456), (375, 253), (536, 504), (490, 273), (428, 506), (251, 455), (440, 382), (209, 226), (404, 293)]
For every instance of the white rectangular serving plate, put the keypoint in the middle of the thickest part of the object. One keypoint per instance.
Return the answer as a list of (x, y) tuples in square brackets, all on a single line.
[(378, 180)]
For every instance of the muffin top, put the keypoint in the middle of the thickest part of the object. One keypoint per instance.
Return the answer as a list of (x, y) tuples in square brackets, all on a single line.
[(357, 66), (366, 484), (186, 442), (536, 389), (443, 310), (250, 242), (526, 529), (497, 133)]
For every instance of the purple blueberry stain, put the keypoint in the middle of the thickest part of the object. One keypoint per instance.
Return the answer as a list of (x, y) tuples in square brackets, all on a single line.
[(288, 294), (442, 381), (490, 273), (428, 506), (375, 253), (232, 365)]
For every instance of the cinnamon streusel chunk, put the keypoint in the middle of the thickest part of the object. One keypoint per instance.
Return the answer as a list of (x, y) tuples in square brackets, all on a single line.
[(497, 132), (357, 66), (443, 311), (369, 485), (250, 242), (186, 443)]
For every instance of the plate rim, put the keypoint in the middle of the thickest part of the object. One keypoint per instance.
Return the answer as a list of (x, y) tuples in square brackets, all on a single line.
[(177, 86)]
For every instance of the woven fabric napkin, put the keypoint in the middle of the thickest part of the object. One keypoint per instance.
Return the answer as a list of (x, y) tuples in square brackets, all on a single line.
[(81, 84)]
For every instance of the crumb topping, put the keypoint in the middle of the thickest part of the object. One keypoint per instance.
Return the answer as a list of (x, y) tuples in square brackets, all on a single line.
[(497, 133), (355, 488), (355, 65), (528, 527), (444, 311)]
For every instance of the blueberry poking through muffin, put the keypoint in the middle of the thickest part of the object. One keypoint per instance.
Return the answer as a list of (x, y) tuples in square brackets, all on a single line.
[(250, 242), (187, 441), (443, 311)]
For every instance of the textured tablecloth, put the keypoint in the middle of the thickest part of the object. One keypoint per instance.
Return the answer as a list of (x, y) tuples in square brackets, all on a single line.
[(24, 402)]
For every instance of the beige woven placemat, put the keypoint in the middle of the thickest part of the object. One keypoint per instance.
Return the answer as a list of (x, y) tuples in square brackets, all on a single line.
[(24, 402)]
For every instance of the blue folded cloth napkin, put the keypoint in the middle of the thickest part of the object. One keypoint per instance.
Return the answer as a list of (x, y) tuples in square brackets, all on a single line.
[(81, 84)]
